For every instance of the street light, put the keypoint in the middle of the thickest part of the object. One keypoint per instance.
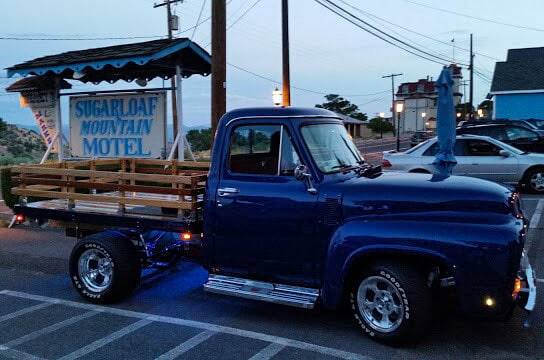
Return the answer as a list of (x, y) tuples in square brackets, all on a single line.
[(277, 97), (382, 115), (399, 107), (423, 115)]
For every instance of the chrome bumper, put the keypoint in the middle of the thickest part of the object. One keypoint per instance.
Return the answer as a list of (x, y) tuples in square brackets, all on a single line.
[(527, 294)]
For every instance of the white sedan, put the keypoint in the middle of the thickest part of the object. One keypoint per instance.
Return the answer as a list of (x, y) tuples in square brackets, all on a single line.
[(477, 156)]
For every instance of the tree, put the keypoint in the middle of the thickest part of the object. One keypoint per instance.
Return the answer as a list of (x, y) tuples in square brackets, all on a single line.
[(339, 105), (379, 125), (200, 140), (3, 125), (487, 108), (464, 110)]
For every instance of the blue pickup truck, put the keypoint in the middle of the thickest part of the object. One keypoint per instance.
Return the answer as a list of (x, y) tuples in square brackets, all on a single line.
[(293, 215)]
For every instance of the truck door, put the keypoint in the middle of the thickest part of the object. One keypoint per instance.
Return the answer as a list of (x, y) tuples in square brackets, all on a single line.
[(266, 219)]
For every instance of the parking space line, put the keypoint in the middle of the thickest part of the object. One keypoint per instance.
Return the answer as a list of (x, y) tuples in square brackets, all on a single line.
[(535, 219), (24, 311), (187, 345), (106, 340), (534, 223), (16, 354), (337, 353), (268, 352), (49, 329)]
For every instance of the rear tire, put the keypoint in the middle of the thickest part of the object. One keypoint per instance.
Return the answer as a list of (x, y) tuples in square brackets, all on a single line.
[(391, 303), (104, 267)]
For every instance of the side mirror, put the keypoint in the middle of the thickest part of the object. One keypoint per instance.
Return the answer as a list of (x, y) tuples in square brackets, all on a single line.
[(302, 173), (504, 153)]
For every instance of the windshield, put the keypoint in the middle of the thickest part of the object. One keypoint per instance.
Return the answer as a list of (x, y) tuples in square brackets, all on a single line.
[(538, 123), (511, 148), (331, 147)]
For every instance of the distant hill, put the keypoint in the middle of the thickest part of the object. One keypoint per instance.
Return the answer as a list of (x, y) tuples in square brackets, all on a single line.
[(66, 129), (19, 144)]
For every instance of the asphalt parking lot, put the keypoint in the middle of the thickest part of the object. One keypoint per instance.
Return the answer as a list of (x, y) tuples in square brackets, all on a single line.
[(169, 317)]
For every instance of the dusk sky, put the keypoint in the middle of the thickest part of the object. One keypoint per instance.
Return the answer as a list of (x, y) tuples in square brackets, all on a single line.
[(328, 54)]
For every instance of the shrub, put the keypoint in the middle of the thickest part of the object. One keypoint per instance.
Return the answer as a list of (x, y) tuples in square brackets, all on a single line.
[(6, 182)]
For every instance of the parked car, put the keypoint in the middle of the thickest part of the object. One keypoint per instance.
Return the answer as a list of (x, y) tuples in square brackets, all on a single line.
[(532, 124), (477, 156), (419, 137), (518, 136)]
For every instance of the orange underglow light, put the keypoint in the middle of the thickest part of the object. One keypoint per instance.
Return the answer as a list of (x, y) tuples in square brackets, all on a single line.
[(517, 288), (186, 236)]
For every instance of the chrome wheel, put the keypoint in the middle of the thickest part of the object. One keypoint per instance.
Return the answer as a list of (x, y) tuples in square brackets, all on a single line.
[(380, 303), (537, 181), (95, 270)]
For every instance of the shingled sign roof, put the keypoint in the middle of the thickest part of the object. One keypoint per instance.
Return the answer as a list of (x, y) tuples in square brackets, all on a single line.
[(143, 60), (522, 70)]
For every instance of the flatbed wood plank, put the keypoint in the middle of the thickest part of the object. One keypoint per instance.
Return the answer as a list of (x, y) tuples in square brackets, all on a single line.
[(174, 204)]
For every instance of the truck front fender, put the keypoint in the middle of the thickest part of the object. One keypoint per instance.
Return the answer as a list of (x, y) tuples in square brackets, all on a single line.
[(429, 241)]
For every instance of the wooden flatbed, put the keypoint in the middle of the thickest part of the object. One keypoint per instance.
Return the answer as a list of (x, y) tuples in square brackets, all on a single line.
[(135, 193)]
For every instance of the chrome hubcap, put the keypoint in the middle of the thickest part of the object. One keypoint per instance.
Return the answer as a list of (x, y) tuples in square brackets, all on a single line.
[(95, 270), (380, 303), (537, 181)]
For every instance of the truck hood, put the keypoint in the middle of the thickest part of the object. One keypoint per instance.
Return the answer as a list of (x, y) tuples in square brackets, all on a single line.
[(396, 193)]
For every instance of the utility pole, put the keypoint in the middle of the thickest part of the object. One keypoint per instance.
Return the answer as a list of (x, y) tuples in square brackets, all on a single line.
[(471, 101), (392, 76), (465, 102), (167, 3), (286, 89), (219, 61)]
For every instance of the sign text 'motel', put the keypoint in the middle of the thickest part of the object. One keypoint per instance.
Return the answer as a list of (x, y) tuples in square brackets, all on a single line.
[(127, 125)]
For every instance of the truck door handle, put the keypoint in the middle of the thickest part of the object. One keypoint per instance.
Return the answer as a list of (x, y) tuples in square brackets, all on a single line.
[(227, 191)]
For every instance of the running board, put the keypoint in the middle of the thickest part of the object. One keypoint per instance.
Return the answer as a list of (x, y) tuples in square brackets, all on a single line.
[(263, 291)]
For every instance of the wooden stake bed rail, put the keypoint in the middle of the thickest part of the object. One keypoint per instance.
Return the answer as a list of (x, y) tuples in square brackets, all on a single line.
[(143, 182)]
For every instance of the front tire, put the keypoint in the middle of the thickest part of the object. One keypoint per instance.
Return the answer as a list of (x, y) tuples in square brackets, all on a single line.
[(391, 303), (104, 267)]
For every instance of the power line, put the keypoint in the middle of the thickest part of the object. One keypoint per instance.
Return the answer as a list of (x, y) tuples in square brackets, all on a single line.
[(389, 35), (19, 38), (297, 87), (391, 42), (243, 14), (198, 19), (413, 31), (497, 22)]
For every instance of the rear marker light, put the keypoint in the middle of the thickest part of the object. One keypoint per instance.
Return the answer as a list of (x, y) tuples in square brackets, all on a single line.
[(186, 236), (386, 163), (20, 218)]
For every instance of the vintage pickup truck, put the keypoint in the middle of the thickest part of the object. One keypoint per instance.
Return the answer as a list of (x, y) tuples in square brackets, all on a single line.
[(289, 213)]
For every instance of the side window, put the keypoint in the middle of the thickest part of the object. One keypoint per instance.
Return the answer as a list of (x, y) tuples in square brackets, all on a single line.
[(517, 133), (481, 148), (459, 149), (497, 132), (254, 149), (432, 150)]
